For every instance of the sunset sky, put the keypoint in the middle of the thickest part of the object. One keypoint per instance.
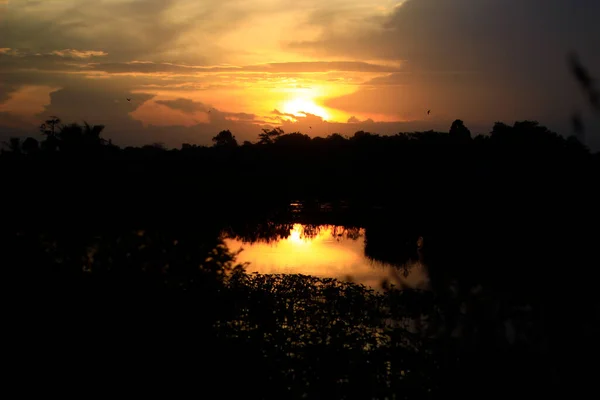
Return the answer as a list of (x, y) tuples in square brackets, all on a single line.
[(335, 66)]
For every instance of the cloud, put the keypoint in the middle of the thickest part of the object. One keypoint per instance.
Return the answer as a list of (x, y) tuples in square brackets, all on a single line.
[(99, 103), (6, 90), (283, 67), (280, 114), (522, 41), (125, 29), (480, 60), (71, 53), (241, 116), (178, 31), (319, 66), (184, 105)]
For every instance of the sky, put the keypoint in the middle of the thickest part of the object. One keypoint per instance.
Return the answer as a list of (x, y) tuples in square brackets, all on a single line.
[(193, 68)]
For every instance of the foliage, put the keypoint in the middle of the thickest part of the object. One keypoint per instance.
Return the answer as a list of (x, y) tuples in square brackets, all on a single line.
[(225, 139), (269, 136), (103, 240)]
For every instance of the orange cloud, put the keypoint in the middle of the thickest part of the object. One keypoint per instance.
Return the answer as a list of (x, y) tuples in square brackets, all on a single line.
[(71, 53)]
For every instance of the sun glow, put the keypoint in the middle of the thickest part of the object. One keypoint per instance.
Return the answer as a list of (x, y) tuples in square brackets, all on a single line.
[(299, 106), (296, 236), (324, 251)]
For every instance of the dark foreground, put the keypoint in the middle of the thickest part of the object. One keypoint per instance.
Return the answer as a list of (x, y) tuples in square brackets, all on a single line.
[(115, 278)]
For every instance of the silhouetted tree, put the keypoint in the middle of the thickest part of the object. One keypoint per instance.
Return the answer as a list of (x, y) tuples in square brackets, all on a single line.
[(459, 131), (91, 134), (224, 139), (501, 131), (499, 229), (71, 138), (187, 146), (292, 139), (30, 145), (77, 138), (269, 136), (336, 138), (361, 135), (49, 129)]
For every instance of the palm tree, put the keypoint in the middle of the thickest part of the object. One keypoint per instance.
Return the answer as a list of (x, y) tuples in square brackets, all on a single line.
[(269, 136), (49, 130), (76, 137), (91, 134)]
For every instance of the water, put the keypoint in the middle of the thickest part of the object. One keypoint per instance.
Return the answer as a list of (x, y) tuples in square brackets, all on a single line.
[(325, 251)]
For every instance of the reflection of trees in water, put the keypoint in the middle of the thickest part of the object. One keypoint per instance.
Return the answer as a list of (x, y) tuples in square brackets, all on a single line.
[(157, 291), (263, 232), (270, 232), (311, 231)]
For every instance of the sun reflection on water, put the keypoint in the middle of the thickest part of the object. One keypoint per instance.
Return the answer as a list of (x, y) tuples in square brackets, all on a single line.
[(325, 251)]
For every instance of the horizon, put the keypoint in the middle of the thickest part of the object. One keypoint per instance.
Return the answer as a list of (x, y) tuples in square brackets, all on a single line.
[(192, 70)]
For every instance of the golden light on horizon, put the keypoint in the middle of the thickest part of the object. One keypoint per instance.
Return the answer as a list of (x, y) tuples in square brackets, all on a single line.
[(301, 105)]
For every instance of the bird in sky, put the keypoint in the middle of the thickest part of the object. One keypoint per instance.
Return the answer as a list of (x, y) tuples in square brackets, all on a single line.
[(428, 112), (128, 99)]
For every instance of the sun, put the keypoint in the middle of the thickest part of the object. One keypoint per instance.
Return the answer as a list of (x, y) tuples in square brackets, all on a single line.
[(300, 105)]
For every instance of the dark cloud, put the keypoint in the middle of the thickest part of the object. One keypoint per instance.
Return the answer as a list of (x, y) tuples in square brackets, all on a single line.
[(467, 35), (99, 103), (280, 114), (284, 67), (521, 42), (189, 106), (78, 61), (482, 60), (320, 66), (38, 62), (137, 29), (243, 116), (6, 89), (78, 54)]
